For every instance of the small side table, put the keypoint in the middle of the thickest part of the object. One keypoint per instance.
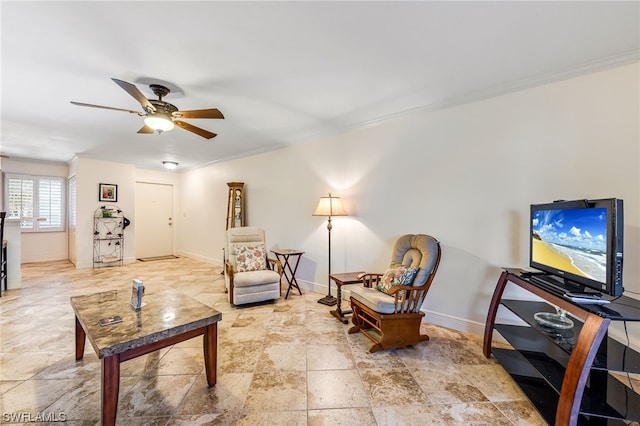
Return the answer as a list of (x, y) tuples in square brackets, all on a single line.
[(340, 280), (288, 270)]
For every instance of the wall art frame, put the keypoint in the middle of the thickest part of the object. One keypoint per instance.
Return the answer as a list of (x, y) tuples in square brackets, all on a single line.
[(108, 192)]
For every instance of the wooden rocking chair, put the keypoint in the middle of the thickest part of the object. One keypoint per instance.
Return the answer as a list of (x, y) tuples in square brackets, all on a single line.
[(390, 315)]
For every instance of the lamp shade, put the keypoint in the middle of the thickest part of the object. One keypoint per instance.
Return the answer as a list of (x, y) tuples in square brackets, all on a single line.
[(158, 122), (330, 206)]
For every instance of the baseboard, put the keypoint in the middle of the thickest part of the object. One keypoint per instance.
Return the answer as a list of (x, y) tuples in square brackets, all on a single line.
[(449, 321), (205, 259), (459, 324), (315, 287)]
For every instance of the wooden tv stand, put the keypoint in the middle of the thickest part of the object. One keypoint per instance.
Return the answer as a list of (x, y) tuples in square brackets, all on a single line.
[(565, 373)]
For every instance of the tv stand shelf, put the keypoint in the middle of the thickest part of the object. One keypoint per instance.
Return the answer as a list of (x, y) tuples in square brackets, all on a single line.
[(567, 373)]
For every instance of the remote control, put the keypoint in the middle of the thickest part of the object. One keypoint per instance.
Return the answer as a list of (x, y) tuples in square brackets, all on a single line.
[(587, 299), (110, 320), (585, 295)]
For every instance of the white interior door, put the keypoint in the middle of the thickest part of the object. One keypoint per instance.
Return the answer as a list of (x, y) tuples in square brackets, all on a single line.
[(154, 220)]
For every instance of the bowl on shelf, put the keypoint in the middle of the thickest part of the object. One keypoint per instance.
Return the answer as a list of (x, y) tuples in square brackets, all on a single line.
[(558, 320)]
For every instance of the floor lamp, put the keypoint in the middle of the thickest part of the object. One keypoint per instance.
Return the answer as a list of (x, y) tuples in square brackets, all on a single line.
[(329, 206)]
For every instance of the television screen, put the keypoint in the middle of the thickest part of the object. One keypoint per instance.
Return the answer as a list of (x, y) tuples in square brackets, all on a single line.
[(572, 240), (580, 241)]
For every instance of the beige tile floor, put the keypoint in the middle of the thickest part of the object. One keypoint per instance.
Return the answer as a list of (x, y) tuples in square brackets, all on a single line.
[(283, 363)]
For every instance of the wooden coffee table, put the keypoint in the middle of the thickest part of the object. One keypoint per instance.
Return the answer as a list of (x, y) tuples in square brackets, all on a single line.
[(167, 318)]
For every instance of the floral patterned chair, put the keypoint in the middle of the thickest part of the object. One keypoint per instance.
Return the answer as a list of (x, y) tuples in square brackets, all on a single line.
[(386, 308), (250, 276)]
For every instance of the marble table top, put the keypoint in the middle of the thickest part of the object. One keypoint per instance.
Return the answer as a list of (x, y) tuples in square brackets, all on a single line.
[(285, 252), (165, 313)]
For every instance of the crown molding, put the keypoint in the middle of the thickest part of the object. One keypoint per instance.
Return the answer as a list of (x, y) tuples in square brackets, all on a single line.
[(614, 61)]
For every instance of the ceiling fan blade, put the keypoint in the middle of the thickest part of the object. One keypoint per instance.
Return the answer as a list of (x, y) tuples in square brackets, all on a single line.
[(106, 107), (146, 129), (136, 93), (197, 130), (199, 113)]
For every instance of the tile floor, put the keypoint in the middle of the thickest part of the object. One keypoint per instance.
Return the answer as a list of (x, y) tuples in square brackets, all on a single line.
[(283, 363)]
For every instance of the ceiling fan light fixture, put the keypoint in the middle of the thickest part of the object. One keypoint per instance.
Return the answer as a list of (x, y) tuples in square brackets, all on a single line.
[(159, 123), (160, 115), (169, 165)]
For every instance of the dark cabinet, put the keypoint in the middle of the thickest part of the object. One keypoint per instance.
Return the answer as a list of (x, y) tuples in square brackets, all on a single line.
[(574, 376)]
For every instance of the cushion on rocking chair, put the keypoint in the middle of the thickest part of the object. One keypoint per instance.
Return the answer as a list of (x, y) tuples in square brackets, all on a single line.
[(374, 299)]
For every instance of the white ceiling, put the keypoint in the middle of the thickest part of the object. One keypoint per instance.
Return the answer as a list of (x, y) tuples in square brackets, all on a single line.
[(281, 72)]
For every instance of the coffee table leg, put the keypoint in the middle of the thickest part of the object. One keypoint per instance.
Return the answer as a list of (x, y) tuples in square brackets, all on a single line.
[(80, 339), (210, 340), (110, 389)]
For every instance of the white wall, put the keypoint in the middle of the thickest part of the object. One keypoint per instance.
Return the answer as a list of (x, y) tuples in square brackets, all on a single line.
[(89, 174), (464, 174)]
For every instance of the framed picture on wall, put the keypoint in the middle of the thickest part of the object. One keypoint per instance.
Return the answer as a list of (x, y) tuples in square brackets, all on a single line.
[(107, 192)]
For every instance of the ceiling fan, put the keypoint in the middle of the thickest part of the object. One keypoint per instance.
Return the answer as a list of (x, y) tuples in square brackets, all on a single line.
[(160, 115)]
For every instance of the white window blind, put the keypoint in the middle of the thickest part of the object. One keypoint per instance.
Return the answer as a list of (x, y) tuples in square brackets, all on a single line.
[(37, 200), (20, 199), (50, 203)]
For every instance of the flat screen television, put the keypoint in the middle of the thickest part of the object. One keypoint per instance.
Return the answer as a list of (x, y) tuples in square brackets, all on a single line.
[(579, 243)]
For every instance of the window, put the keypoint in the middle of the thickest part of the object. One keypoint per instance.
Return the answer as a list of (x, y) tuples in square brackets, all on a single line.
[(37, 200)]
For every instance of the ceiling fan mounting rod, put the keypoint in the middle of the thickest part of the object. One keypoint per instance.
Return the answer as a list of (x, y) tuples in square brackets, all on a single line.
[(160, 90)]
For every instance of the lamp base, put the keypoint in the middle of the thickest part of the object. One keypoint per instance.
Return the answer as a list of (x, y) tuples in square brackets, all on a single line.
[(328, 300)]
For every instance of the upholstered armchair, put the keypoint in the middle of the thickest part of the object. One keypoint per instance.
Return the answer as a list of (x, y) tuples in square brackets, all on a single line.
[(250, 276), (386, 307)]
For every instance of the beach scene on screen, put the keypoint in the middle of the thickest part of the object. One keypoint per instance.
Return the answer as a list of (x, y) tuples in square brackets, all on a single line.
[(572, 240)]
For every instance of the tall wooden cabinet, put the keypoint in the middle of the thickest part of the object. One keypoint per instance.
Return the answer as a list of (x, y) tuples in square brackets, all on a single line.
[(567, 374), (108, 237), (235, 206)]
